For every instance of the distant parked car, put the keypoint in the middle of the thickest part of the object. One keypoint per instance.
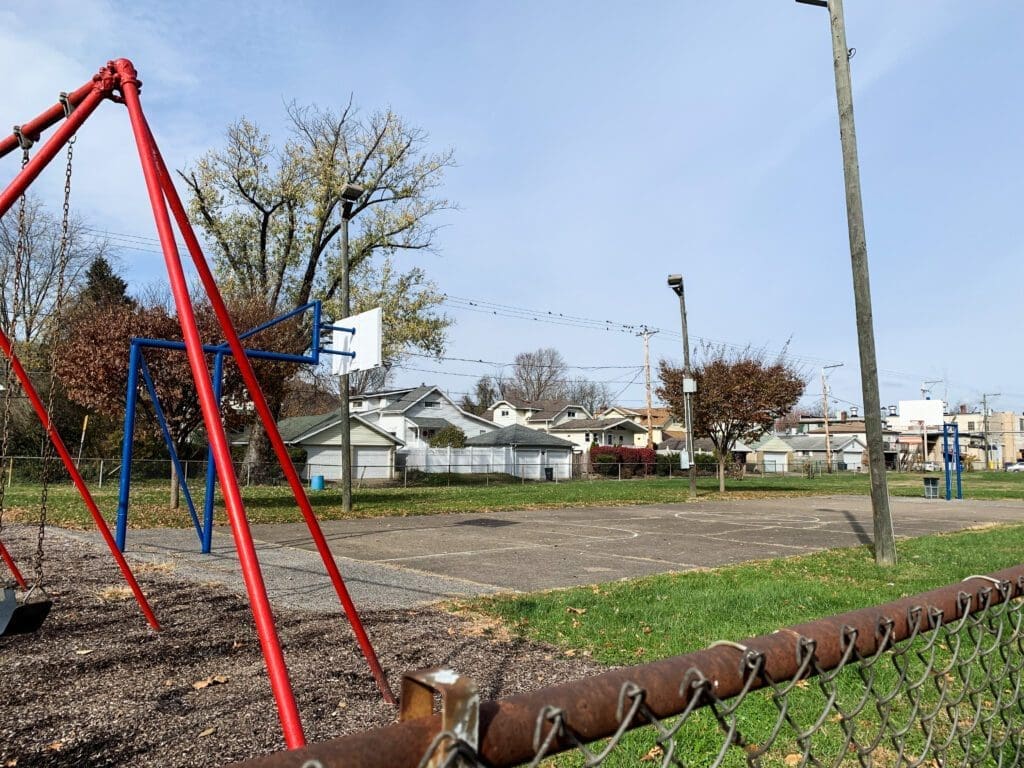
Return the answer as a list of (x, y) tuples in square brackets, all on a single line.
[(930, 466), (1017, 466)]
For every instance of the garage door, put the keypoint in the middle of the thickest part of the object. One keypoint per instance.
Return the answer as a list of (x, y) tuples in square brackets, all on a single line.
[(371, 463)]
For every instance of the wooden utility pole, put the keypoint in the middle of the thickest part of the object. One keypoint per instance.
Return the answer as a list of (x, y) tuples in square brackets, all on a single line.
[(884, 538), (646, 333)]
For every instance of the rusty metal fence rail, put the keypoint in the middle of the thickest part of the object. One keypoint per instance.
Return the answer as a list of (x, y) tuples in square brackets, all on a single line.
[(933, 680)]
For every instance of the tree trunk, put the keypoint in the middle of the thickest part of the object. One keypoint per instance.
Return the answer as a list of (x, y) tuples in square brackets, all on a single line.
[(256, 464), (175, 501), (721, 474)]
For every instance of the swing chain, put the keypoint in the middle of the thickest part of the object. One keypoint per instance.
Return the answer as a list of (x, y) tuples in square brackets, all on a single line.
[(63, 259), (19, 249)]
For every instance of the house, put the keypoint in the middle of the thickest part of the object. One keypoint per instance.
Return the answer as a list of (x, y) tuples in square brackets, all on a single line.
[(416, 415), (740, 450), (535, 455), (844, 426), (847, 450), (584, 433), (772, 454), (661, 420), (536, 414), (1005, 430), (373, 449)]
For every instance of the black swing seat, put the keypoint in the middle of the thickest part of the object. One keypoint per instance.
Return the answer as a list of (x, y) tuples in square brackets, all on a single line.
[(21, 618)]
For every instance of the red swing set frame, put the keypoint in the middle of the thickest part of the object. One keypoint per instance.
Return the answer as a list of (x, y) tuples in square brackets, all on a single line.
[(118, 82)]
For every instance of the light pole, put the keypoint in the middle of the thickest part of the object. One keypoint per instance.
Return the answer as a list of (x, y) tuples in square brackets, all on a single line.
[(675, 282), (350, 194), (824, 406), (884, 538)]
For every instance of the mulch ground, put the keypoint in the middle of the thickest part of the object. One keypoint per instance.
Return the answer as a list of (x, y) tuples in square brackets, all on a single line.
[(96, 687)]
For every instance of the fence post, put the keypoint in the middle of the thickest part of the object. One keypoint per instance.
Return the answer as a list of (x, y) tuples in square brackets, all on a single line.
[(619, 467), (405, 475), (101, 473), (10, 471)]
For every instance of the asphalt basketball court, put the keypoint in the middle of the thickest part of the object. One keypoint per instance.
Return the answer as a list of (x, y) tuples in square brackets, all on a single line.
[(401, 562)]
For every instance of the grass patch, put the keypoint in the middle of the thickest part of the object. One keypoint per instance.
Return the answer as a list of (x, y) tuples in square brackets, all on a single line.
[(658, 616), (646, 619), (270, 504)]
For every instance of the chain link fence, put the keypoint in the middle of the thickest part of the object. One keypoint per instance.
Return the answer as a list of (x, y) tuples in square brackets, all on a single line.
[(932, 680)]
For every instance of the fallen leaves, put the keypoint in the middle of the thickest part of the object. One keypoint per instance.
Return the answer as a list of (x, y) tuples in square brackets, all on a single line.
[(206, 682), (208, 732), (654, 753), (578, 611)]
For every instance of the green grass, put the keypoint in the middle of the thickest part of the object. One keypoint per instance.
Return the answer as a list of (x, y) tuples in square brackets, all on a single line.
[(267, 504), (646, 619)]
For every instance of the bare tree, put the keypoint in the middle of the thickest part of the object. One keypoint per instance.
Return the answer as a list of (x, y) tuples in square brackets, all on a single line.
[(592, 395), (538, 375), (739, 396), (28, 292), (274, 215)]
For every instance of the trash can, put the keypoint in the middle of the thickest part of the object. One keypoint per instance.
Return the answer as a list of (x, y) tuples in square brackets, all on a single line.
[(317, 482), (931, 487), (549, 473)]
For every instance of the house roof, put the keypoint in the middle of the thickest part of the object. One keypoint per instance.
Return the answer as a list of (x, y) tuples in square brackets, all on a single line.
[(660, 415), (597, 425), (771, 444), (517, 434), (426, 422), (543, 410), (817, 442), (847, 427), (299, 428), (408, 400)]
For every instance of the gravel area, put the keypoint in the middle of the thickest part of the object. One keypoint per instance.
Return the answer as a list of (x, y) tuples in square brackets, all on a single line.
[(96, 687)]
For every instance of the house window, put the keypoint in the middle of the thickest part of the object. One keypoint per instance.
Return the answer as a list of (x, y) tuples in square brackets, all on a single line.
[(357, 404), (609, 439), (586, 437), (970, 426), (571, 414), (504, 413), (431, 404)]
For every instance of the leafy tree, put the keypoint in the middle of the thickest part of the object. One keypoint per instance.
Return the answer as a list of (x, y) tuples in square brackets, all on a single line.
[(102, 286), (273, 216), (449, 437), (485, 394), (739, 396)]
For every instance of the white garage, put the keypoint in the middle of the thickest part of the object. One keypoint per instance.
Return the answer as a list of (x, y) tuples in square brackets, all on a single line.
[(373, 449)]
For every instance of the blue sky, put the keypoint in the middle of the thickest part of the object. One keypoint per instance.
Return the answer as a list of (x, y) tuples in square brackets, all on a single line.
[(602, 146)]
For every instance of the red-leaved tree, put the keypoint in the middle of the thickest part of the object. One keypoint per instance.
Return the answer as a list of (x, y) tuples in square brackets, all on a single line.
[(739, 395)]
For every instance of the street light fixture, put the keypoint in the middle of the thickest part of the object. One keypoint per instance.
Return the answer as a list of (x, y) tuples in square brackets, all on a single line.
[(675, 282), (350, 194)]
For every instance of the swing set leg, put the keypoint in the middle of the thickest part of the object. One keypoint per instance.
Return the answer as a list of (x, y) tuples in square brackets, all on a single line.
[(9, 562)]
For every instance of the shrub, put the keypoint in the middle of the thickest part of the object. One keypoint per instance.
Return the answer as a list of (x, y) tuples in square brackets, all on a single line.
[(634, 461), (449, 437)]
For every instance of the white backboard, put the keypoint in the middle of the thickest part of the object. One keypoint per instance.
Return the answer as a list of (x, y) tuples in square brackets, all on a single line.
[(365, 342)]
